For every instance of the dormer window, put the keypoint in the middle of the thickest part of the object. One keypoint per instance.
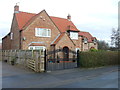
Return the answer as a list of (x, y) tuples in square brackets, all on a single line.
[(74, 35), (94, 41), (85, 40)]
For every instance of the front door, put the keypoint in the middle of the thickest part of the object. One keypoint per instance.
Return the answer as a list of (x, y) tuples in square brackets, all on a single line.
[(65, 53)]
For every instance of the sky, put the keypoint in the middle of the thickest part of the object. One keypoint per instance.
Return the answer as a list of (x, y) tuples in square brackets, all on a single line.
[(95, 16)]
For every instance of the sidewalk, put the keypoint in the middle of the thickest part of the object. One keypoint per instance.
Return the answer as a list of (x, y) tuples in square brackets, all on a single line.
[(15, 77)]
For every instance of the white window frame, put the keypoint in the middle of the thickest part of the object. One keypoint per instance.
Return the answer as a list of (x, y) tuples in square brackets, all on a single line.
[(85, 40), (34, 48), (74, 35), (11, 35), (38, 33)]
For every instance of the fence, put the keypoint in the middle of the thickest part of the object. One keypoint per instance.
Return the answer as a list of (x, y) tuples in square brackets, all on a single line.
[(33, 59)]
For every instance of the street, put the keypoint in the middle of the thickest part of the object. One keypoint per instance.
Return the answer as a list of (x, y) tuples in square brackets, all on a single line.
[(17, 77)]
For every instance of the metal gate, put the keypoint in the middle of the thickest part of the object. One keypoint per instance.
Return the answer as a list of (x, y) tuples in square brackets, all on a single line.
[(61, 59)]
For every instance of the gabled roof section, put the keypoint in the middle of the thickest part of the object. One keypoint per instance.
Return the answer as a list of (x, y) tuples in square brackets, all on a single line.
[(64, 24), (57, 39), (87, 35), (23, 18)]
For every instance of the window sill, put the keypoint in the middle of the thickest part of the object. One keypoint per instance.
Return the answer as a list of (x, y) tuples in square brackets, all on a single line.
[(44, 36)]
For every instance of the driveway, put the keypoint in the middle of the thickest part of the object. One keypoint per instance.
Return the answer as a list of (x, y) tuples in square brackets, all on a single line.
[(17, 77)]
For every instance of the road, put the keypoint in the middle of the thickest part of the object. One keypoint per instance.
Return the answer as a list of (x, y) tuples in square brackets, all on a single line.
[(17, 77)]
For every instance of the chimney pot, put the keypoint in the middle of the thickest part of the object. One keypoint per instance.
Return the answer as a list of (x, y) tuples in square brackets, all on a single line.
[(16, 9), (69, 17)]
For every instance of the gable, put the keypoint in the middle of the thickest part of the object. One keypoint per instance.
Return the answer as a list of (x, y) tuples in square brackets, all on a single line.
[(62, 38), (87, 35), (24, 19)]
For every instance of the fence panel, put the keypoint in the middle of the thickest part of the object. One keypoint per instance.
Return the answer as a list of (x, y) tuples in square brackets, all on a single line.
[(33, 59)]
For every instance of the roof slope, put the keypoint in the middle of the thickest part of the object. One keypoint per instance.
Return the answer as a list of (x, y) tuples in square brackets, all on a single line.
[(87, 35), (64, 24), (23, 18)]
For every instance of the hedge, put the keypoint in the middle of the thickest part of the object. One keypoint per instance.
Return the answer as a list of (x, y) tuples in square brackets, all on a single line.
[(99, 58)]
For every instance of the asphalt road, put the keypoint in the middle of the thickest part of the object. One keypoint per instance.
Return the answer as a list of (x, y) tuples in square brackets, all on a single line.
[(17, 77)]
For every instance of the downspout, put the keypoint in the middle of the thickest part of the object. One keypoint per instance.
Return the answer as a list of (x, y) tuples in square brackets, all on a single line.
[(20, 46)]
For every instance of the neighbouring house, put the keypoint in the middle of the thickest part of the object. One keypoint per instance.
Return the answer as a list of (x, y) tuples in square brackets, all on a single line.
[(41, 31)]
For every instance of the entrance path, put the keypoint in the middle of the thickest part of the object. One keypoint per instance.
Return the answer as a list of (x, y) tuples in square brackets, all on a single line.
[(16, 77)]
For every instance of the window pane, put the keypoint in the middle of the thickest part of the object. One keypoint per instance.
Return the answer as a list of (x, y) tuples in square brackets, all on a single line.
[(74, 35), (49, 32), (42, 32)]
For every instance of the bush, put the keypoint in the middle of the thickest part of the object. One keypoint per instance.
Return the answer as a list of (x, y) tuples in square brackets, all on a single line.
[(93, 50), (99, 58)]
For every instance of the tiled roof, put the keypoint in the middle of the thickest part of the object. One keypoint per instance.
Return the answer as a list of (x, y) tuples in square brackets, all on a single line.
[(87, 35), (64, 24), (24, 18), (58, 38)]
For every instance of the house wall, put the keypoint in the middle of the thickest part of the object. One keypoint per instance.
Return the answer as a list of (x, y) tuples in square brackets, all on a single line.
[(15, 42), (93, 45), (29, 32), (85, 47), (65, 41), (6, 42)]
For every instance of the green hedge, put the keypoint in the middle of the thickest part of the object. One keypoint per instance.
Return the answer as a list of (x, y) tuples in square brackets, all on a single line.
[(99, 58)]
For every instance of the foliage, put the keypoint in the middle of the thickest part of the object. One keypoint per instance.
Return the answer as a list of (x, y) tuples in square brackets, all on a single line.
[(93, 50), (115, 38), (102, 45), (99, 58)]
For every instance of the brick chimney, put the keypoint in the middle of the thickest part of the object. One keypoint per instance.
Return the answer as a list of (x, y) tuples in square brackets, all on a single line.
[(16, 9), (69, 17)]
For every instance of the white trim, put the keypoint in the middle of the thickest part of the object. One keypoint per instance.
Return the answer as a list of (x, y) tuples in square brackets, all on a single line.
[(55, 39), (74, 35), (34, 47), (37, 32), (11, 35)]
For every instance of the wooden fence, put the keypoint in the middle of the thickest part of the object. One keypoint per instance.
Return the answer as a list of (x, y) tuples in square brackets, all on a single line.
[(33, 59)]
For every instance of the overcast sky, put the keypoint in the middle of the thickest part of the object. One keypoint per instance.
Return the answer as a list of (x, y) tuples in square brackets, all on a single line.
[(95, 16)]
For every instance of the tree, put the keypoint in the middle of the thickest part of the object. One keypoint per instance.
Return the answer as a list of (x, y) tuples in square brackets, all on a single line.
[(115, 38), (103, 45)]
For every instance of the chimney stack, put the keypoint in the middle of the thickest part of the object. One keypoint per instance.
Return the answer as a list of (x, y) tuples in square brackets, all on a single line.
[(69, 17), (16, 9)]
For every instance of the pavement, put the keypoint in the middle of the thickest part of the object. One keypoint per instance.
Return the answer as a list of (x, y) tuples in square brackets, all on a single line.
[(17, 77)]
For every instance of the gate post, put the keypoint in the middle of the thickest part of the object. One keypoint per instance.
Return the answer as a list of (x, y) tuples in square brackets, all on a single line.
[(45, 60), (78, 59)]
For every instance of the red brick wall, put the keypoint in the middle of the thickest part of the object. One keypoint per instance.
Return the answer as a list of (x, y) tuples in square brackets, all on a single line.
[(29, 32), (15, 42), (6, 42)]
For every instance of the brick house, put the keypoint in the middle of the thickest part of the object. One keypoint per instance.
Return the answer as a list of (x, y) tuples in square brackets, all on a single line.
[(41, 31)]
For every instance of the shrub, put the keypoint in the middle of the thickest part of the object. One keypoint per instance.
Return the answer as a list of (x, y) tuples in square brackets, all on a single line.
[(99, 58), (93, 50)]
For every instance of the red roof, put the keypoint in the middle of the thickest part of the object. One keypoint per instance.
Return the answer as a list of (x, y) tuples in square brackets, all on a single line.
[(64, 24), (87, 35), (24, 18), (58, 39)]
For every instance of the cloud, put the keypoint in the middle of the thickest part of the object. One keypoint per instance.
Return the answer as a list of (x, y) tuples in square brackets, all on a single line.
[(96, 16)]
